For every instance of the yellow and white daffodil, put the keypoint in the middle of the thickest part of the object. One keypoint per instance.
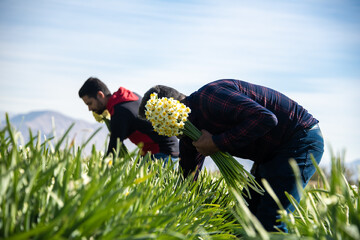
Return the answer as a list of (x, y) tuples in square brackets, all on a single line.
[(167, 115), (104, 117), (101, 117)]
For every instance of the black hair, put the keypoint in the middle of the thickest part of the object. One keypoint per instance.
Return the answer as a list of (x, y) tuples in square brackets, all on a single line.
[(92, 86), (162, 91)]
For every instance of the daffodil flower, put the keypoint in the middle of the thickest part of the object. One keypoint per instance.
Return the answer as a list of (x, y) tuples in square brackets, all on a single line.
[(104, 117), (168, 116)]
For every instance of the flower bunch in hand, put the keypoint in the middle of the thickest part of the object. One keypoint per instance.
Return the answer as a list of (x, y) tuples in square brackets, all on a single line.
[(169, 117), (104, 117)]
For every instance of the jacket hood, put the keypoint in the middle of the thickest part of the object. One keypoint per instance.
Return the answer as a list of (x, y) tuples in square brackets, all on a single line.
[(122, 95)]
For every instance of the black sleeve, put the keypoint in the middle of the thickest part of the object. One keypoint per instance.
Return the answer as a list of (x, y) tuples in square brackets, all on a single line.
[(120, 125), (190, 159)]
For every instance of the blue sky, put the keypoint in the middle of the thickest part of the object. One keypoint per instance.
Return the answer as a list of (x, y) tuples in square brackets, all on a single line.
[(309, 50)]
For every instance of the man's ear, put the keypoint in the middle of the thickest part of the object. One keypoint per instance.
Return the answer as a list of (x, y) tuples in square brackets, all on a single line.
[(100, 95)]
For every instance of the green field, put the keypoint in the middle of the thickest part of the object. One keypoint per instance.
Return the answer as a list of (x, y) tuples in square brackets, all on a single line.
[(51, 190)]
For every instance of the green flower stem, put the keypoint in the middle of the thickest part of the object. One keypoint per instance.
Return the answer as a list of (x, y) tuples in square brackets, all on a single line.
[(234, 174), (107, 122)]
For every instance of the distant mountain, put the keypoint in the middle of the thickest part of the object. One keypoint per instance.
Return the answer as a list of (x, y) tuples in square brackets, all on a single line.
[(55, 124), (2, 115)]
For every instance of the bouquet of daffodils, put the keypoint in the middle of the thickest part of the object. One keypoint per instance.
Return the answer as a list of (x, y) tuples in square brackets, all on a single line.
[(104, 117), (169, 117)]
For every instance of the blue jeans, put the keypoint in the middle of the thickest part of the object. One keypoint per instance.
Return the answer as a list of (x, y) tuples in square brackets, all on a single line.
[(165, 157), (279, 174)]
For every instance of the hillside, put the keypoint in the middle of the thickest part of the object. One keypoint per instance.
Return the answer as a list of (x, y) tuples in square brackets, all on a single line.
[(55, 124)]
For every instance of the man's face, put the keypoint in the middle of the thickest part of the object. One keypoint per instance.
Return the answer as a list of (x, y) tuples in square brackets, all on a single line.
[(94, 104)]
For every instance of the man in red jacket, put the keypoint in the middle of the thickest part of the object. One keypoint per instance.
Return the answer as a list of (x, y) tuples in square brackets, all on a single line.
[(123, 107)]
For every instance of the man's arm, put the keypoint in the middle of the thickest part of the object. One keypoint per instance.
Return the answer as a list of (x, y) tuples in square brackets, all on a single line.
[(120, 126), (205, 144)]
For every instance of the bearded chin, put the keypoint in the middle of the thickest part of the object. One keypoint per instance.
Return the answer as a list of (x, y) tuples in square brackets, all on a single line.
[(100, 111)]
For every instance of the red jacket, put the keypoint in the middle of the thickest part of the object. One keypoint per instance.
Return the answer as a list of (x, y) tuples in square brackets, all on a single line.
[(125, 123)]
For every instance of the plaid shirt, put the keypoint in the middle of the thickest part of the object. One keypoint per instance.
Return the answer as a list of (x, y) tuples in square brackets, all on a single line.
[(247, 120)]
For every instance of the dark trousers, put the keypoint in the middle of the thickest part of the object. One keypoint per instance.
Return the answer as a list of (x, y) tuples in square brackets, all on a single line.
[(277, 171)]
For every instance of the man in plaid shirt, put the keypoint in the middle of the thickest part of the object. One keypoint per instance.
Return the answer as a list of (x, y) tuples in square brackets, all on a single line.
[(251, 122)]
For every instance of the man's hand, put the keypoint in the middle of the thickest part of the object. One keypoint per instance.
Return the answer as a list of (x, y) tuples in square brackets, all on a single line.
[(205, 144)]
